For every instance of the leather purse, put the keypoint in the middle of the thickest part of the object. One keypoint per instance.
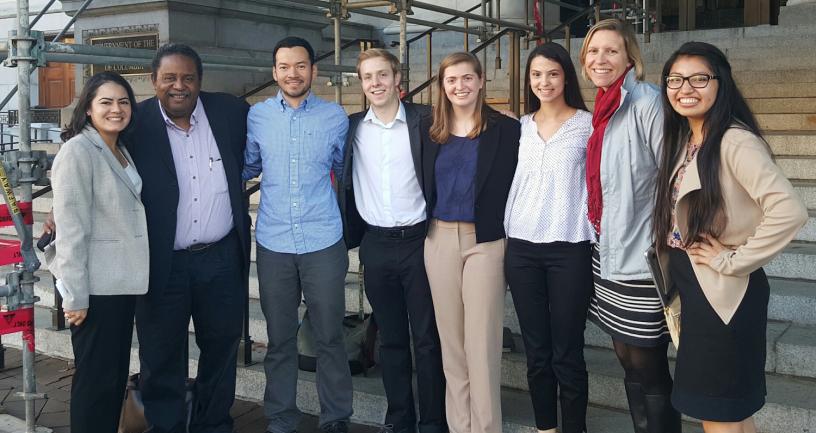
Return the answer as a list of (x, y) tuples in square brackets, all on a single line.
[(669, 296), (132, 418)]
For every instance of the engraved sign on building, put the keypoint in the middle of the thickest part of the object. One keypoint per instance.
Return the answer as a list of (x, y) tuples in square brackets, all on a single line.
[(144, 41)]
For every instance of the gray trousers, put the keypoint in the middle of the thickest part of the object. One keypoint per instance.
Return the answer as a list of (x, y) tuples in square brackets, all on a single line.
[(320, 277)]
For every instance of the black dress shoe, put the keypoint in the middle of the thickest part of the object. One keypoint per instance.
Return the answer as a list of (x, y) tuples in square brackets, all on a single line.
[(335, 427)]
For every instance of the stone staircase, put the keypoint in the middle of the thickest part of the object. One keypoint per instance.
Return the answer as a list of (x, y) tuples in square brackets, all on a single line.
[(778, 79)]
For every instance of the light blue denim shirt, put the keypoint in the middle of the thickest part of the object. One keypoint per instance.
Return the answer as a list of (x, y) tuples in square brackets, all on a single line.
[(631, 150), (296, 149)]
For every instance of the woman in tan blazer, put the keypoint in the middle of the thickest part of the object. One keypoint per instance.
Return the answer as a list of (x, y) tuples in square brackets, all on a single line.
[(723, 210), (100, 255)]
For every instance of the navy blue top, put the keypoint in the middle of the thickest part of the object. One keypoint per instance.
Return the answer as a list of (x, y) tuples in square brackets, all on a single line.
[(456, 179)]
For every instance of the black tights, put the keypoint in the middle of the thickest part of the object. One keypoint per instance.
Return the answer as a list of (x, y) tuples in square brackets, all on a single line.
[(648, 366)]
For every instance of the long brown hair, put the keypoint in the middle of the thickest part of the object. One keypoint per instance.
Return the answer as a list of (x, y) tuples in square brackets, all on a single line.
[(443, 111)]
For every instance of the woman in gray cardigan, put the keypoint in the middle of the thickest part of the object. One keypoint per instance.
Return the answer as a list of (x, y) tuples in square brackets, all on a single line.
[(622, 161), (100, 256)]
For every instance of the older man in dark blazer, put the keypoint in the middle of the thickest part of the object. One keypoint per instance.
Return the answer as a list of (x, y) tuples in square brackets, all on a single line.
[(383, 212), (188, 147)]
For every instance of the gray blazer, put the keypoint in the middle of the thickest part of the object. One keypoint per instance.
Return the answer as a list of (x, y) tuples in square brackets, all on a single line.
[(101, 245), (631, 151)]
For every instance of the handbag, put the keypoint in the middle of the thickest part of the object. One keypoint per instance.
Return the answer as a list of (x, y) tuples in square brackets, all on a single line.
[(132, 418), (359, 336), (667, 293)]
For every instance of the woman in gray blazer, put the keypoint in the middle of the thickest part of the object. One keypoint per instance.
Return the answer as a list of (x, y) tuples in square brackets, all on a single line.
[(100, 256)]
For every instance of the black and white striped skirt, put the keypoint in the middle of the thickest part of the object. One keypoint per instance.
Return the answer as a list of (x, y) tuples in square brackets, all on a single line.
[(629, 311)]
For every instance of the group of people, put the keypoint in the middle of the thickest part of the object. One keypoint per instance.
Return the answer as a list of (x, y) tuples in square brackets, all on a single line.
[(449, 205)]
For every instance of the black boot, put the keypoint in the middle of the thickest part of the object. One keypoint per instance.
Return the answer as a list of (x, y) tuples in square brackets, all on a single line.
[(662, 416), (637, 406)]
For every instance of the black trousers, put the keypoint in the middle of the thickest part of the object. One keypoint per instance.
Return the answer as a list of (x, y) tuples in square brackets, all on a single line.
[(400, 296), (551, 284), (102, 357), (209, 286)]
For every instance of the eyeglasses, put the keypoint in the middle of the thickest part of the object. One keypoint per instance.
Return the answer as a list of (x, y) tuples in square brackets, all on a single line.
[(698, 81)]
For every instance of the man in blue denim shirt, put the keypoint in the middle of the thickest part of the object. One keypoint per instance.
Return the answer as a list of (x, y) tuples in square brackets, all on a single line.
[(296, 139)]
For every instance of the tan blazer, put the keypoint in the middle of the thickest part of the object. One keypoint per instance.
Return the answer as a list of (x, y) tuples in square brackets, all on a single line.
[(762, 214), (101, 245)]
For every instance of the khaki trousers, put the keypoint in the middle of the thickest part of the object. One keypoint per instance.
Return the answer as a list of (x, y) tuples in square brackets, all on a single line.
[(467, 286)]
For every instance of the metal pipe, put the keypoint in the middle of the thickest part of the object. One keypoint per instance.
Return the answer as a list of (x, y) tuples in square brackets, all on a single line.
[(367, 4), (658, 16), (485, 19), (24, 64), (467, 35), (364, 45), (447, 21), (527, 21), (403, 47), (515, 72), (497, 61), (416, 21), (429, 56), (338, 60), (42, 12), (647, 34), (370, 13), (567, 38)]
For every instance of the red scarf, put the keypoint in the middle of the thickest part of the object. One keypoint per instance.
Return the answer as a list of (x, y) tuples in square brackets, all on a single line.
[(606, 103)]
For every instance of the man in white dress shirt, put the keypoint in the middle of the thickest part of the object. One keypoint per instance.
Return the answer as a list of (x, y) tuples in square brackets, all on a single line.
[(383, 212)]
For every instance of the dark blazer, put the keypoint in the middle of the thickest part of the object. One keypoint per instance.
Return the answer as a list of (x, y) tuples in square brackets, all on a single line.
[(353, 224), (149, 146), (495, 167)]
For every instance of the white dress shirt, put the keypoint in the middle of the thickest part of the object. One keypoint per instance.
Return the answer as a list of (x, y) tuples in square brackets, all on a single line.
[(386, 187), (548, 198)]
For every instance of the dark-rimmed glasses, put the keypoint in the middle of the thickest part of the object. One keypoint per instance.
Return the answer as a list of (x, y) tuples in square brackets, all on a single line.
[(698, 81)]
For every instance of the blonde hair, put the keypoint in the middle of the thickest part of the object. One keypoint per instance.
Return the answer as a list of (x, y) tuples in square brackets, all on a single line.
[(443, 110), (372, 53), (629, 43)]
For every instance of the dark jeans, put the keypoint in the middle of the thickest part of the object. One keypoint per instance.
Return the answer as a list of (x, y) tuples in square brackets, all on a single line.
[(319, 277), (102, 357), (207, 285), (397, 288), (551, 284)]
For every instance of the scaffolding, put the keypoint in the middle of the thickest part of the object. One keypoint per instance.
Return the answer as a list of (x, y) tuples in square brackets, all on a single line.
[(27, 49)]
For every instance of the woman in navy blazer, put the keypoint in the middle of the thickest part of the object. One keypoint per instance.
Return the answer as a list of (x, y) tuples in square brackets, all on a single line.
[(468, 167)]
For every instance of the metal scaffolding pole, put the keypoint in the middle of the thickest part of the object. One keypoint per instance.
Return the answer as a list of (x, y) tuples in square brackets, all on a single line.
[(403, 44), (338, 61), (90, 54), (24, 61)]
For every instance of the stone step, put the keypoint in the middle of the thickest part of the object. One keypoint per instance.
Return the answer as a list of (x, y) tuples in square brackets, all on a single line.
[(790, 407), (791, 142), (808, 232), (798, 166), (369, 396), (791, 333), (796, 121), (795, 262), (807, 192)]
